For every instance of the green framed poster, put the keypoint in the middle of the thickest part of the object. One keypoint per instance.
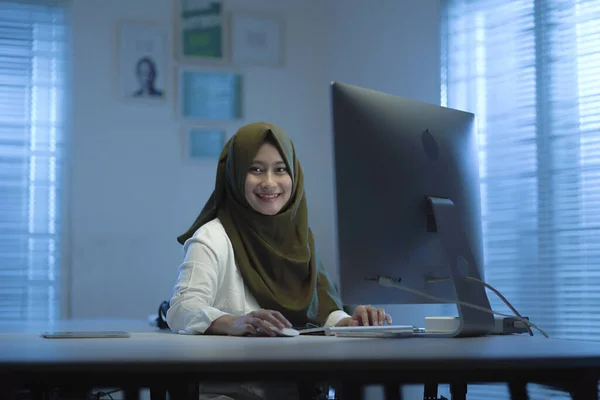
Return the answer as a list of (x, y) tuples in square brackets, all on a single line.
[(201, 31)]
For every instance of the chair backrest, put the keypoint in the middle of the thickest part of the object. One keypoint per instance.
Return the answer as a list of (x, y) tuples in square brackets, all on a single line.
[(161, 321)]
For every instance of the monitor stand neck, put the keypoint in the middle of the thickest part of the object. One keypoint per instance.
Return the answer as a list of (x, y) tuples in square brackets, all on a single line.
[(472, 322)]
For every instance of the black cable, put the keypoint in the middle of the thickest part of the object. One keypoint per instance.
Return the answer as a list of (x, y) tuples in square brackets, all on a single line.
[(100, 395), (497, 292)]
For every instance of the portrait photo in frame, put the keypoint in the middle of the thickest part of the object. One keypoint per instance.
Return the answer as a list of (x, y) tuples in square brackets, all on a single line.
[(142, 61)]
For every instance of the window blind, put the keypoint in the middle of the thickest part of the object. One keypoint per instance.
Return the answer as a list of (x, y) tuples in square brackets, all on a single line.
[(530, 71), (33, 57)]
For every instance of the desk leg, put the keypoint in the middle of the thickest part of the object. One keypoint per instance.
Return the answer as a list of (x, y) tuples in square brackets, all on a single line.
[(458, 391), (40, 393), (518, 390), (10, 387), (586, 389), (393, 391), (430, 391), (158, 393), (185, 391), (306, 390), (73, 392), (349, 391), (132, 393)]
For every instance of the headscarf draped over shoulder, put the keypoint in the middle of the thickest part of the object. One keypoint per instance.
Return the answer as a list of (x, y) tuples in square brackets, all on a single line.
[(275, 254)]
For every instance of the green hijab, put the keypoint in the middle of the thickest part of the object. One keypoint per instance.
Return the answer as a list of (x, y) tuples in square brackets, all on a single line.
[(275, 254)]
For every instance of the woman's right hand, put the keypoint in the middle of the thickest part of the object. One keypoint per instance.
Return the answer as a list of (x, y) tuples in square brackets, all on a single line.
[(254, 323)]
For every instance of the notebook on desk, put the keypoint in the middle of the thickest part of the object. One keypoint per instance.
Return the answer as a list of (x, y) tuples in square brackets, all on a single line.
[(363, 331)]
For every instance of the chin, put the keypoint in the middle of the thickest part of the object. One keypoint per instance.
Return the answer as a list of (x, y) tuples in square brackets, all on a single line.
[(268, 210)]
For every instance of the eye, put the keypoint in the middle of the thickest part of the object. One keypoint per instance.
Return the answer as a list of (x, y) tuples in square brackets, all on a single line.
[(254, 170), (281, 170)]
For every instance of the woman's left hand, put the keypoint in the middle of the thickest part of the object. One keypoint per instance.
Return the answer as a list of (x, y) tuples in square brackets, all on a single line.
[(367, 316)]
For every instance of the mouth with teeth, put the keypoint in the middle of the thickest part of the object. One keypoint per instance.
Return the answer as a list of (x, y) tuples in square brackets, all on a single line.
[(268, 197)]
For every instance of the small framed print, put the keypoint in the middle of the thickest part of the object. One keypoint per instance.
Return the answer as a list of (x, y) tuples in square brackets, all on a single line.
[(201, 143), (209, 95), (256, 39)]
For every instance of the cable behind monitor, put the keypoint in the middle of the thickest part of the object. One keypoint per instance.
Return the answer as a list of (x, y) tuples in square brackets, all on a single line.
[(388, 282)]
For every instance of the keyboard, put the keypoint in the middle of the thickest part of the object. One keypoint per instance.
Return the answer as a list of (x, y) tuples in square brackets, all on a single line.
[(363, 331)]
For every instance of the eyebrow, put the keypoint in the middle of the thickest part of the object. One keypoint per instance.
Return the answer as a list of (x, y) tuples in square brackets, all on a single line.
[(263, 163)]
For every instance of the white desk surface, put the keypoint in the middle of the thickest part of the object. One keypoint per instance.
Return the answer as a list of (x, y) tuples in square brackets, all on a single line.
[(22, 345), (151, 355)]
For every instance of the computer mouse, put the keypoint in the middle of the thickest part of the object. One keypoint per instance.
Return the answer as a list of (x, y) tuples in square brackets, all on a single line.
[(288, 332)]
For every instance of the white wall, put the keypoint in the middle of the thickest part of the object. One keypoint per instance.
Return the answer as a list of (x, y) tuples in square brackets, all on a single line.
[(131, 192), (388, 45), (392, 47)]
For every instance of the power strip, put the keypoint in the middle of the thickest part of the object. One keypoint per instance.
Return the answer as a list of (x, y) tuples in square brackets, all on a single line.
[(502, 326)]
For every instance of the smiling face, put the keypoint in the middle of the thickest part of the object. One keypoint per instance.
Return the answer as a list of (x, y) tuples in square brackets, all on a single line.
[(268, 185), (145, 72)]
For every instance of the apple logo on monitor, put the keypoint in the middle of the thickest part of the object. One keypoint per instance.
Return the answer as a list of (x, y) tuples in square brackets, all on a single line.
[(430, 145)]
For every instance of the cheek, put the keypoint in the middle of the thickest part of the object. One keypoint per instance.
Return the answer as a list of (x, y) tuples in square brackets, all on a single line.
[(287, 186), (249, 187)]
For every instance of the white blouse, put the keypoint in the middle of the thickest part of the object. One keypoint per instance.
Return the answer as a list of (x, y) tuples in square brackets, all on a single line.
[(210, 285)]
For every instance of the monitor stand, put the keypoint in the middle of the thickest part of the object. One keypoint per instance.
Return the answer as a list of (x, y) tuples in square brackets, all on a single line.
[(472, 322)]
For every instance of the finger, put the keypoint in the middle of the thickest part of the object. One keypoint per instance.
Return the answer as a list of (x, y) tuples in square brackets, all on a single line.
[(380, 316), (373, 319), (364, 316), (247, 327), (260, 315), (388, 317), (267, 315), (353, 322), (282, 319), (250, 329), (265, 327), (261, 332)]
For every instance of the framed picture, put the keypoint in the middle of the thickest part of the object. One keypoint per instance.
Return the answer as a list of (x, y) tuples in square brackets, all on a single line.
[(201, 31), (201, 143), (142, 61), (256, 40), (209, 95)]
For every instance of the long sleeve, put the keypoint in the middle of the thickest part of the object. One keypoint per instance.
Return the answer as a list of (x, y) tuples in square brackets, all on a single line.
[(192, 304)]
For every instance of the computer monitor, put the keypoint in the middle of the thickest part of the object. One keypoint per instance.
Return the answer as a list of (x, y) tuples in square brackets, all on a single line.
[(407, 196)]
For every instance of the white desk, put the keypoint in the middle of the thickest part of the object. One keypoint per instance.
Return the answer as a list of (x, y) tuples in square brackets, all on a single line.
[(152, 357)]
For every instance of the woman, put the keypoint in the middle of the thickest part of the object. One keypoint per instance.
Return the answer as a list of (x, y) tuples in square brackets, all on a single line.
[(250, 261)]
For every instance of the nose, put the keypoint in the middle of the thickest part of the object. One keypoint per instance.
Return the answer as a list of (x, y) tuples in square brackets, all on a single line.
[(268, 181)]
